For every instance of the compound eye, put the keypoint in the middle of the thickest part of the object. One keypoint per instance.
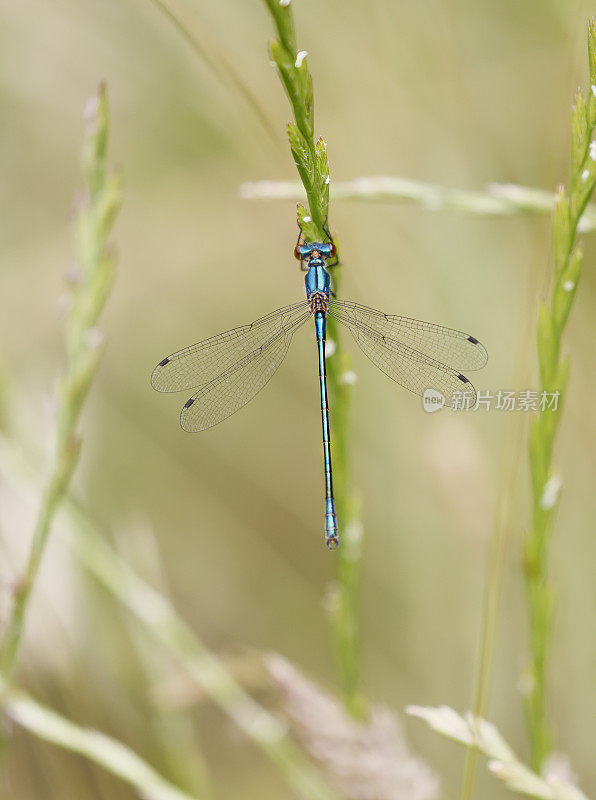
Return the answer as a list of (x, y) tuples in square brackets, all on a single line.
[(298, 252), (332, 250)]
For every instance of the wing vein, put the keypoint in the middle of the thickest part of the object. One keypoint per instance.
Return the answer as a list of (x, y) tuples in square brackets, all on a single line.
[(236, 386), (411, 368), (201, 363), (446, 345)]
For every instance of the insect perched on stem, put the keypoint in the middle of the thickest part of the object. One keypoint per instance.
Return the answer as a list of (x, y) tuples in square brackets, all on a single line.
[(228, 370)]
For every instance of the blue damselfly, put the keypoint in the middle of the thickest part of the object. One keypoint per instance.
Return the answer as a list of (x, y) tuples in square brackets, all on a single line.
[(228, 370)]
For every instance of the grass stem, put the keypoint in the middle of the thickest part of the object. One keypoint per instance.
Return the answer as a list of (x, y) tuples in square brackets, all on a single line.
[(482, 736), (310, 156), (554, 372), (217, 62), (109, 753), (87, 296), (499, 199), (162, 623)]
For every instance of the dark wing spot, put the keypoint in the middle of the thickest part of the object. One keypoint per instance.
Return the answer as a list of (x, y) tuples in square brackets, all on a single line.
[(164, 362), (473, 340), (189, 403), (463, 379)]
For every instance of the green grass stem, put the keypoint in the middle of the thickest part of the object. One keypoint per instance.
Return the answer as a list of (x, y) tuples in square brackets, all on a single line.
[(511, 461), (107, 752), (217, 62), (88, 292), (310, 157), (164, 626), (554, 373), (482, 736), (509, 469)]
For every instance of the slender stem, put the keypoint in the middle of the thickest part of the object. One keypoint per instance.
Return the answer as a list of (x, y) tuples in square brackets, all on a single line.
[(554, 371), (510, 464), (310, 156), (482, 736), (496, 559), (499, 199), (88, 294), (161, 621), (109, 753), (536, 703), (156, 613), (217, 63)]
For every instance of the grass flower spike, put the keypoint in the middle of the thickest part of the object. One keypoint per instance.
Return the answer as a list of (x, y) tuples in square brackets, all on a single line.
[(554, 372), (311, 161), (361, 759), (503, 763), (87, 294)]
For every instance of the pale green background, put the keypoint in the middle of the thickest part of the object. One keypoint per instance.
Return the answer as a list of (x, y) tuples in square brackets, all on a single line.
[(460, 93)]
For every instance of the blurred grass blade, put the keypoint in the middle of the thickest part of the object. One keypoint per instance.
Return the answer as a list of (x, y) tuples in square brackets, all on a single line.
[(109, 753), (370, 759), (219, 65), (476, 732), (88, 293), (163, 625), (569, 216), (510, 461), (178, 746), (499, 199)]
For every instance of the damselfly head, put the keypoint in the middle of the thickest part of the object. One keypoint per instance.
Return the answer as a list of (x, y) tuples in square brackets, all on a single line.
[(308, 250)]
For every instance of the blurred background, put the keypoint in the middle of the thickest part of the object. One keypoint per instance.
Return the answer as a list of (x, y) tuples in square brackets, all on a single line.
[(229, 523)]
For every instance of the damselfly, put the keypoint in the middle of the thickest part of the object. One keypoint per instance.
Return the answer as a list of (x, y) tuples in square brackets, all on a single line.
[(228, 370)]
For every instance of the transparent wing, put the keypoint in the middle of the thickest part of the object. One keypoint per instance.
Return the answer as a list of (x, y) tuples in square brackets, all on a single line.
[(454, 348), (234, 388), (411, 368), (203, 362)]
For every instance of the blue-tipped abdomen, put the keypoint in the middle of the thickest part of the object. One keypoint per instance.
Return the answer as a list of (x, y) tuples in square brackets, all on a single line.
[(318, 288), (331, 529)]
